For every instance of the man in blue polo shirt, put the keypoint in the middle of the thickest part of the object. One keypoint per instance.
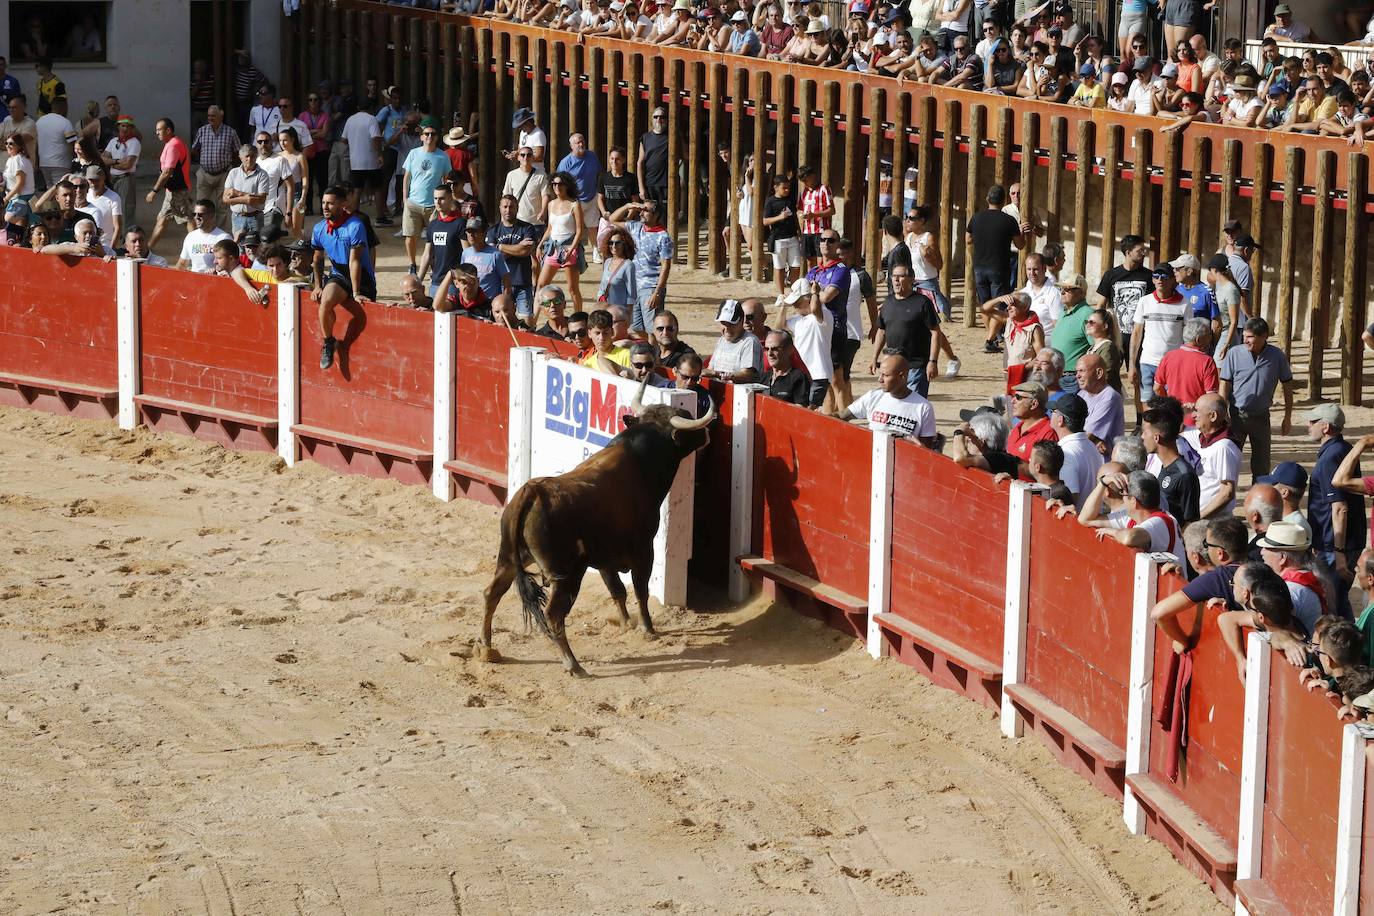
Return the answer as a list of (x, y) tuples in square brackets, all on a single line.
[(584, 165), (492, 274), (342, 239), (1335, 514)]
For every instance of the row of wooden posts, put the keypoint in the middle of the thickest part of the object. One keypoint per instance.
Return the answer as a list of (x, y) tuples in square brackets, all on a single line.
[(476, 74)]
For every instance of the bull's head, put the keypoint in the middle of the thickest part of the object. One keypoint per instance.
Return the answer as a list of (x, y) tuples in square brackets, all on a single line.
[(688, 434)]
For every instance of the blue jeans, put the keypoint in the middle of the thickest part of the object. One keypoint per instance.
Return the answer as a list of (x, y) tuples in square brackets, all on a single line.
[(245, 222), (933, 285), (917, 380), (1147, 381), (524, 300)]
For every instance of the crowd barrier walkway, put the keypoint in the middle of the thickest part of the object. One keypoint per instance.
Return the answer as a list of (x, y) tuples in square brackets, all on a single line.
[(972, 583)]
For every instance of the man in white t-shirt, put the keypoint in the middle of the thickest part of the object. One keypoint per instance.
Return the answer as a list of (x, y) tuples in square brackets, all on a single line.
[(531, 137), (1145, 524), (738, 356), (1141, 92), (197, 251), (1218, 454), (1046, 300), (812, 329), (104, 206), (1082, 460), (121, 156), (893, 407), (55, 138), (363, 135), (281, 195), (1158, 326)]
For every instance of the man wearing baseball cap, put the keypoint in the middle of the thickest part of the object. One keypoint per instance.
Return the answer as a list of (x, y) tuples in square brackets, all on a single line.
[(1090, 93), (1290, 479), (1030, 404), (1335, 511), (1082, 460), (738, 356), (1285, 28), (1158, 327), (1198, 295), (743, 39), (1070, 337)]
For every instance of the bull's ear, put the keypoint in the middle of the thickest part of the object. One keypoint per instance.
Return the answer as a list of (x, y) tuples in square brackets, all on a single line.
[(629, 420)]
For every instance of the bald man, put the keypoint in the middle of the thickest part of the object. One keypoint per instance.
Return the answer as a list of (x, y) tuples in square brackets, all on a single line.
[(1218, 453), (1263, 506), (413, 293), (1106, 415)]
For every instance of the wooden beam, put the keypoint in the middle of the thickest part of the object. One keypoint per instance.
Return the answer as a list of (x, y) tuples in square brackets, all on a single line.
[(1320, 297), (1111, 176), (1352, 284), (1084, 156), (973, 199), (1292, 172)]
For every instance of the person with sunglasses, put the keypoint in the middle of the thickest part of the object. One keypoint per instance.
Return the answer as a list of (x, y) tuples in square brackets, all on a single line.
[(551, 304), (785, 380), (671, 348), (530, 188), (197, 249), (423, 172)]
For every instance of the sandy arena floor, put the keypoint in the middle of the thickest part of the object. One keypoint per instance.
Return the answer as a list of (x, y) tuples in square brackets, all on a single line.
[(227, 688)]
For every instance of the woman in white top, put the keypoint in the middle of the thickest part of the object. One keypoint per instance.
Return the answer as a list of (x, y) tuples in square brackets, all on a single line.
[(18, 171), (953, 18), (926, 261), (290, 151), (561, 246)]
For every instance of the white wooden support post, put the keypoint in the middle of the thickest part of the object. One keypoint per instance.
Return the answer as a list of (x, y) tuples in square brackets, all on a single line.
[(1254, 761), (1141, 685), (741, 487), (1017, 595), (880, 538), (445, 427), (520, 418), (288, 372), (129, 342), (1350, 821)]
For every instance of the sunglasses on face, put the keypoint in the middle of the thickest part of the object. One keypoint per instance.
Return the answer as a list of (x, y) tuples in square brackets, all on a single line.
[(690, 378), (664, 327), (642, 365), (200, 216)]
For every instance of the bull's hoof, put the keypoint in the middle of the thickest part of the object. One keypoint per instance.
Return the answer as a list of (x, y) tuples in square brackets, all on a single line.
[(485, 653), (650, 633), (578, 671), (622, 622)]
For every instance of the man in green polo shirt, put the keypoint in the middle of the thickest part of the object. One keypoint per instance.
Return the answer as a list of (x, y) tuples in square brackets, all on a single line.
[(1364, 578), (1069, 336)]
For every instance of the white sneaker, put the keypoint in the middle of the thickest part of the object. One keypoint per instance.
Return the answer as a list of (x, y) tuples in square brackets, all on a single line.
[(952, 368)]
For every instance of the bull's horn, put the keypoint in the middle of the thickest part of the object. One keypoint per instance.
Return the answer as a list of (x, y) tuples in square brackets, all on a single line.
[(637, 405), (684, 423)]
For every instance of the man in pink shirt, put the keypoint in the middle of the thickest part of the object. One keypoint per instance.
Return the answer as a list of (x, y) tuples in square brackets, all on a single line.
[(174, 178), (1189, 372)]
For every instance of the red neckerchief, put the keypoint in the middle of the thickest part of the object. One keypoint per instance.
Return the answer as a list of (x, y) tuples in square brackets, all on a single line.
[(1175, 298), (330, 227), (447, 219), (1031, 319), (648, 228), (1168, 523), (1223, 432), (826, 265), (1307, 579)]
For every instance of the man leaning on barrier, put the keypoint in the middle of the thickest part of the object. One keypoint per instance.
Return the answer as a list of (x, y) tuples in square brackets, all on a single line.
[(1227, 543)]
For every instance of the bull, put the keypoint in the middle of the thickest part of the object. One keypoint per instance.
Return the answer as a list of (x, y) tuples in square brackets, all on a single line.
[(603, 514)]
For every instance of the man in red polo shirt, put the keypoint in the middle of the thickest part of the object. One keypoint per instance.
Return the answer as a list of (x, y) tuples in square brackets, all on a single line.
[(1029, 402), (1189, 372)]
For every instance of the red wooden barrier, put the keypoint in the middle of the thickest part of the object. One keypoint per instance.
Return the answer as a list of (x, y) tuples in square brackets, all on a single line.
[(1301, 798), (1196, 817), (1078, 646), (948, 584), (811, 517), (1367, 843), (209, 360), (372, 413), (58, 334)]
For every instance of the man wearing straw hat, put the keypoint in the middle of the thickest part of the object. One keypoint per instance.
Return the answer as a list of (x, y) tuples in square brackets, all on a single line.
[(457, 143)]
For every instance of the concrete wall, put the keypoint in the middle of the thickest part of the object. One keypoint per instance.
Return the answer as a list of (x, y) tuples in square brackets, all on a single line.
[(149, 64)]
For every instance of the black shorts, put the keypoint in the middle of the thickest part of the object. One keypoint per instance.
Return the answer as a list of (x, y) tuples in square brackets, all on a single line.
[(367, 179), (843, 354), (811, 245), (369, 289), (815, 397)]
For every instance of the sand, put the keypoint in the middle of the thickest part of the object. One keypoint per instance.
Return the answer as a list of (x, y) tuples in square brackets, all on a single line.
[(227, 687)]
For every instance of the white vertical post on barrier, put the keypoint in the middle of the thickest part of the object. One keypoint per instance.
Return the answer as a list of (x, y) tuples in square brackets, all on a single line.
[(521, 416), (1350, 821), (440, 480), (1254, 761), (288, 372), (1141, 685), (129, 342), (741, 487), (1017, 595), (880, 537)]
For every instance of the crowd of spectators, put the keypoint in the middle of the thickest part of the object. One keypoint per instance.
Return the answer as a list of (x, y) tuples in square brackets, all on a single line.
[(1023, 49)]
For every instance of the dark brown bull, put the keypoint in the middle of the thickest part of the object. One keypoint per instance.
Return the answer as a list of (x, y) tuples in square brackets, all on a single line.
[(602, 514)]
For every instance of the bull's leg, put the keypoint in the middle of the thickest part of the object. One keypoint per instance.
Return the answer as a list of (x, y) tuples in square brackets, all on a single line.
[(618, 595), (639, 576), (500, 584), (561, 598)]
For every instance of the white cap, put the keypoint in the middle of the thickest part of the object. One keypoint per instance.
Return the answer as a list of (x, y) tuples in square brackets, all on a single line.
[(801, 288), (739, 16)]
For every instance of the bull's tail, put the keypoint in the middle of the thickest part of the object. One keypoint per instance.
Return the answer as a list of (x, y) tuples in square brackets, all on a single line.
[(532, 594)]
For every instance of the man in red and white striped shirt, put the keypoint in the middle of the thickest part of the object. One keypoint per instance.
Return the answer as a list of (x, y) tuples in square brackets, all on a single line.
[(815, 210)]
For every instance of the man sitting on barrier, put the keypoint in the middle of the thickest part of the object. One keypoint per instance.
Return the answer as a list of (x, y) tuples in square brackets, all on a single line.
[(1267, 607), (785, 381), (1227, 543), (895, 408), (1145, 525), (341, 238), (226, 255)]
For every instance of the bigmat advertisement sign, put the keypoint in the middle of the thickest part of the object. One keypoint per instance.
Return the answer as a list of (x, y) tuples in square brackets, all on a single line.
[(562, 413)]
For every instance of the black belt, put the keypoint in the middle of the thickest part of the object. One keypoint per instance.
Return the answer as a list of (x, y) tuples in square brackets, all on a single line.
[(214, 174)]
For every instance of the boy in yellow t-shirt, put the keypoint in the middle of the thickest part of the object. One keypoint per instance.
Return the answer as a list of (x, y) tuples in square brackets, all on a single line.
[(1089, 93), (601, 329)]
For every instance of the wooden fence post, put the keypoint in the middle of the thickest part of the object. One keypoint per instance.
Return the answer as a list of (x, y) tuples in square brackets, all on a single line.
[(974, 196), (758, 259), (1140, 187), (853, 173), (1111, 175), (1202, 160), (1292, 170), (715, 255), (1054, 182), (1168, 193), (900, 104), (925, 168), (693, 182), (806, 94), (1230, 172), (1084, 157), (873, 230), (675, 177), (1353, 315), (1319, 302), (1030, 139), (1260, 177), (739, 89)]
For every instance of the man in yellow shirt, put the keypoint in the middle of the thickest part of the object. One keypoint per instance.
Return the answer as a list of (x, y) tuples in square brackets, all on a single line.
[(1089, 93), (601, 329), (1312, 107)]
